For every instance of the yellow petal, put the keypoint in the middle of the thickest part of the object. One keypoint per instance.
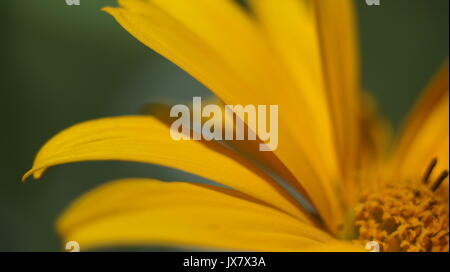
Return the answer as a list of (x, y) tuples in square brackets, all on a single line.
[(252, 76), (291, 30), (339, 54), (375, 142), (149, 212), (147, 140), (425, 134), (227, 55), (246, 148), (242, 46)]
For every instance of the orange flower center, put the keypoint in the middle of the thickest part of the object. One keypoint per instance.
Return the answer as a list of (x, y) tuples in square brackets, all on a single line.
[(404, 219)]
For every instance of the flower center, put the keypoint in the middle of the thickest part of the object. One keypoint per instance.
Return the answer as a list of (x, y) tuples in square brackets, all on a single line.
[(404, 218)]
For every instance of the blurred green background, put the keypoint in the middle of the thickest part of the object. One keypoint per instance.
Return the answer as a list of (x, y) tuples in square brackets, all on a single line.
[(64, 64)]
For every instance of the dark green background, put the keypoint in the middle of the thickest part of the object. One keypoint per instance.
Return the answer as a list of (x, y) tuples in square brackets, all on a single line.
[(61, 65)]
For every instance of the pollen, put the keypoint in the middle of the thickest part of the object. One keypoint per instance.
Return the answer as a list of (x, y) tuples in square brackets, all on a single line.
[(404, 218)]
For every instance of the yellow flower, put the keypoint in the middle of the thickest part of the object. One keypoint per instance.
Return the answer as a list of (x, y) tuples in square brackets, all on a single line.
[(302, 56)]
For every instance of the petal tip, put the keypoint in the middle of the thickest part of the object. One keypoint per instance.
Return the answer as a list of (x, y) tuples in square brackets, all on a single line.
[(109, 10), (26, 176), (36, 173)]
